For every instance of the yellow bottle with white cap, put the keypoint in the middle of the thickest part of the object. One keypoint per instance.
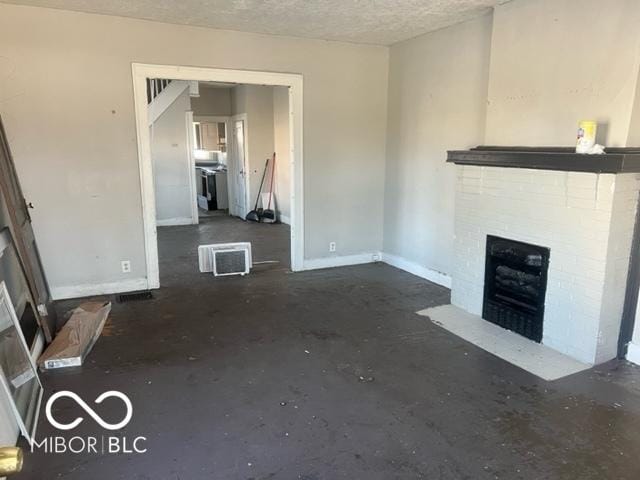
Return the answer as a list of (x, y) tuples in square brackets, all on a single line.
[(586, 136)]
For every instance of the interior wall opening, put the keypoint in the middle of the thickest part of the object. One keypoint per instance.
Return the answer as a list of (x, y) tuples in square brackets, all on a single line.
[(221, 155)]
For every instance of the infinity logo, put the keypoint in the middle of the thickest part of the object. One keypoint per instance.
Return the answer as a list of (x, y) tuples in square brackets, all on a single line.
[(89, 410)]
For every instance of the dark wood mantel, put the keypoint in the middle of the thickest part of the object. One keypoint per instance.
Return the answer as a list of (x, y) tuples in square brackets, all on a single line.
[(615, 160)]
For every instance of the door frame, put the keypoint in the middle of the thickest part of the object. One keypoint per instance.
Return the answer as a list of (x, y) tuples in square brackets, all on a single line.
[(215, 119), (193, 190), (192, 160), (245, 132), (142, 71)]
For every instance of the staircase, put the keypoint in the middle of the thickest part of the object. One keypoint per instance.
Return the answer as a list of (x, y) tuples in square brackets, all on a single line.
[(155, 86), (161, 93)]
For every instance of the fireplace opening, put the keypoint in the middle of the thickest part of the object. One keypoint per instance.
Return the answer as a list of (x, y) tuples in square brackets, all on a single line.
[(515, 284)]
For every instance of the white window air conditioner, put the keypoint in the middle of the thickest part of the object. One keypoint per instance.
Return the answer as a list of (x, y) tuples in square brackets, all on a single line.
[(225, 258)]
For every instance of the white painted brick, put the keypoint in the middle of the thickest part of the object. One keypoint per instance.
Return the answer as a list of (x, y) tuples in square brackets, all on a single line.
[(581, 203), (585, 219), (582, 192), (470, 172), (582, 180)]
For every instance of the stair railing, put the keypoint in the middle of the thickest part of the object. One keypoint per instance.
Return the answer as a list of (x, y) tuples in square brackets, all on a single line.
[(155, 86)]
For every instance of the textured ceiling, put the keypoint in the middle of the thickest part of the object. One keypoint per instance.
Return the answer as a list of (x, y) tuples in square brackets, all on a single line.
[(380, 22)]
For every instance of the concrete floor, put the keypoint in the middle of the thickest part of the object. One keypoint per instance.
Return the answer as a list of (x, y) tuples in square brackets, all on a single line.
[(323, 375)]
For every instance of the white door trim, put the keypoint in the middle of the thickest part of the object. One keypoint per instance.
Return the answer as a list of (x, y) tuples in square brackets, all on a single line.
[(212, 119), (140, 72), (245, 130), (193, 189)]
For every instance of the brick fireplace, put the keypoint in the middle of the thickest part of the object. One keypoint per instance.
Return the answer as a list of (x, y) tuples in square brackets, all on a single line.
[(583, 220)]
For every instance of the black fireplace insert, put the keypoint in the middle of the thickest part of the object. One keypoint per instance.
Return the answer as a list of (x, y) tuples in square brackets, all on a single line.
[(515, 283)]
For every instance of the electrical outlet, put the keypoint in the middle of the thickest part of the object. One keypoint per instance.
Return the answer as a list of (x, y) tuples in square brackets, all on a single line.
[(126, 266), (332, 246)]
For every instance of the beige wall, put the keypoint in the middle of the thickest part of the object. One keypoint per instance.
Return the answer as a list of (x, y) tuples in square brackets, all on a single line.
[(281, 145), (554, 63), (171, 164), (267, 130), (70, 74), (584, 65), (536, 70), (256, 101), (437, 92), (212, 101), (634, 126)]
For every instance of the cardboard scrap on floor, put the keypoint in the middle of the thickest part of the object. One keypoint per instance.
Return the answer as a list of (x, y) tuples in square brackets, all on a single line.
[(76, 339)]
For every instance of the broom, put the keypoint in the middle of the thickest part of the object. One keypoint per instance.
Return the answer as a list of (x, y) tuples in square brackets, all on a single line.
[(253, 215), (268, 215)]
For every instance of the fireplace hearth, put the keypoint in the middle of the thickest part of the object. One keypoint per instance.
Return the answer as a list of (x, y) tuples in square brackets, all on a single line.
[(515, 285), (581, 209)]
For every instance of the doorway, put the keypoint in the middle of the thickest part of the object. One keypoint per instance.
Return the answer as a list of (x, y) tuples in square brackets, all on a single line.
[(210, 152), (239, 144), (239, 166)]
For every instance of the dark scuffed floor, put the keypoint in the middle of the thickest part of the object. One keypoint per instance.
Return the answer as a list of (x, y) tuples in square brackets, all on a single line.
[(327, 374)]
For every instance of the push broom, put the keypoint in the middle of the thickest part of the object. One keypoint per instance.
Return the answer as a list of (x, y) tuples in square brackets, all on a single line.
[(253, 215), (268, 215)]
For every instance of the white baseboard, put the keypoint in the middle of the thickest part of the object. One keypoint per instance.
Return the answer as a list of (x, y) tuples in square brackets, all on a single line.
[(79, 291), (284, 219), (342, 261), (172, 222), (418, 270), (633, 353)]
